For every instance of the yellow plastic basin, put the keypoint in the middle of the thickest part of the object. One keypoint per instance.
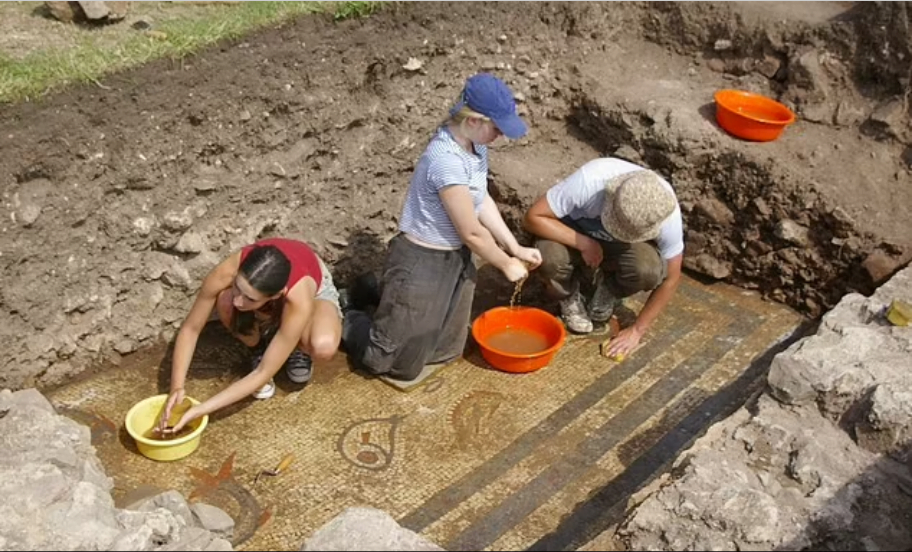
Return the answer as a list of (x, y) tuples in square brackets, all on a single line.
[(145, 415)]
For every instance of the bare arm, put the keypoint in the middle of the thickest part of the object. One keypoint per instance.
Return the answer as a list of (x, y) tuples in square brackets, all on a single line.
[(219, 279), (628, 338), (660, 296), (459, 206), (490, 218), (298, 310), (541, 221)]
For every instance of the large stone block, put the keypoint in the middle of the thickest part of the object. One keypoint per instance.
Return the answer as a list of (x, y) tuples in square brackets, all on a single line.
[(366, 529)]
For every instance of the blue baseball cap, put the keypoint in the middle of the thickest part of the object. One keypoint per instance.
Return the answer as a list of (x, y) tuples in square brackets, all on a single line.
[(490, 96)]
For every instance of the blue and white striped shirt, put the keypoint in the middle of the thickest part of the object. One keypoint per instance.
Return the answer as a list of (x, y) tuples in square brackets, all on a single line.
[(443, 163)]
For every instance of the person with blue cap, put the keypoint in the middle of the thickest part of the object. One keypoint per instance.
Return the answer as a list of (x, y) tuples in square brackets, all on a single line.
[(428, 282)]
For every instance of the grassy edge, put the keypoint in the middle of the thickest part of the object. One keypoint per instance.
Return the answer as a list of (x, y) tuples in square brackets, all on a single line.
[(41, 72)]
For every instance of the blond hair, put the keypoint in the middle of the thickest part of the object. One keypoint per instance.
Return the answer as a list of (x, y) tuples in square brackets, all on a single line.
[(465, 113)]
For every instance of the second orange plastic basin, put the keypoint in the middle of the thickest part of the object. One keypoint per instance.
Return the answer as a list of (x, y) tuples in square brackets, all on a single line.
[(751, 116), (526, 319)]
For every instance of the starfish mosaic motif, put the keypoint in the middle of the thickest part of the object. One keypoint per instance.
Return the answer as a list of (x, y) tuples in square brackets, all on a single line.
[(208, 483)]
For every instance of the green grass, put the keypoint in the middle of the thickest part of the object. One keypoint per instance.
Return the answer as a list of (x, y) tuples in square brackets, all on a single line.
[(93, 57), (349, 10)]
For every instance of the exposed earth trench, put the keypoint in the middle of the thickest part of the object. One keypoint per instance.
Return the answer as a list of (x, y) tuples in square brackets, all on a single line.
[(120, 198)]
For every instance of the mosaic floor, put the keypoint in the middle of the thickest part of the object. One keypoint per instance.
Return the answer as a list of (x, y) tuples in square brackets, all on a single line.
[(473, 459)]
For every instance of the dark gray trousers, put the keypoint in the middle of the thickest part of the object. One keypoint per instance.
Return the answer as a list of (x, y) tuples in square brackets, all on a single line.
[(424, 312)]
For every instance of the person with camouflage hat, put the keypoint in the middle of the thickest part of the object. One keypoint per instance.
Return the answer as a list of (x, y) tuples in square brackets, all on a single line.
[(619, 224)]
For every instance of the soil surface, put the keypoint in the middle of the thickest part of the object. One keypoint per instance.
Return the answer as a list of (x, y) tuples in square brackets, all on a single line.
[(119, 198)]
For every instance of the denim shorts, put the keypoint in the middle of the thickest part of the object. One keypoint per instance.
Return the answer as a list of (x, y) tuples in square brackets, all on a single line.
[(328, 291)]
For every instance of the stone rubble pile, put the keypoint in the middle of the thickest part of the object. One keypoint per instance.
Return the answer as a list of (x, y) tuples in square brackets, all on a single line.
[(822, 461), (56, 495)]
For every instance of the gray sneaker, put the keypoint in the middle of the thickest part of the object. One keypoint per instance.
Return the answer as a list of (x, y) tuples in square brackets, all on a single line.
[(573, 313), (298, 367), (603, 303)]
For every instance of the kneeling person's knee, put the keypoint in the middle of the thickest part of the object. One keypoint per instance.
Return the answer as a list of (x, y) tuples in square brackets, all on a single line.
[(323, 347)]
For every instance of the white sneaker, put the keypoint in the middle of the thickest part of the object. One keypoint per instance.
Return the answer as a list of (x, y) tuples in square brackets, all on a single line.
[(573, 313), (265, 392)]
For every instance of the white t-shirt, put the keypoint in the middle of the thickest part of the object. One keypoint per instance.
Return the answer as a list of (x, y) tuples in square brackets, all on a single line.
[(443, 163), (581, 198)]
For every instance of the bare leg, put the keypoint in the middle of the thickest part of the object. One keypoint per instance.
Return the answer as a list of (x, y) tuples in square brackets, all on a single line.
[(323, 333)]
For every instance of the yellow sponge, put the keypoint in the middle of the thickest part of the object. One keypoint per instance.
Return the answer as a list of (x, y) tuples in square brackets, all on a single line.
[(899, 313)]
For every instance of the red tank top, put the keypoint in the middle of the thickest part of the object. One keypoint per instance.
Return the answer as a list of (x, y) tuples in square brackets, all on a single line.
[(303, 260)]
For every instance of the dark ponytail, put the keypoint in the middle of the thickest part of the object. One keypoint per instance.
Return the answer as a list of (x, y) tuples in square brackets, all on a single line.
[(266, 269)]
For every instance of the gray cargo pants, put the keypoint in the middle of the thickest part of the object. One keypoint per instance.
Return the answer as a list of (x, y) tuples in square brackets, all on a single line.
[(629, 268), (424, 312)]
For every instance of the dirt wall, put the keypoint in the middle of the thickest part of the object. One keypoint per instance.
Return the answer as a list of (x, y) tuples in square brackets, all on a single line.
[(119, 199)]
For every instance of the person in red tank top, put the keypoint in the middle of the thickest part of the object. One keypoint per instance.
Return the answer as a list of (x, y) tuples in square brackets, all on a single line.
[(277, 297)]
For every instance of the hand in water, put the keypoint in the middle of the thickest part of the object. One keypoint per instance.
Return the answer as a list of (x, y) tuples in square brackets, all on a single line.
[(190, 415), (176, 398)]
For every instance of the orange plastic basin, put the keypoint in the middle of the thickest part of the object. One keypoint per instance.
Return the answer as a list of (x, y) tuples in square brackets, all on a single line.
[(534, 325), (751, 116)]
